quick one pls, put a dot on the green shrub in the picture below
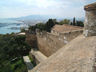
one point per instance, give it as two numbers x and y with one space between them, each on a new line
11 47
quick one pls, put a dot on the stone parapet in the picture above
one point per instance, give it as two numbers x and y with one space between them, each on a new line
39 57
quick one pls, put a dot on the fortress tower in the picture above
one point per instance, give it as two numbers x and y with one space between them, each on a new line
90 20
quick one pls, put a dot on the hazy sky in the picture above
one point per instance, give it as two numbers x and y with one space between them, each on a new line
61 8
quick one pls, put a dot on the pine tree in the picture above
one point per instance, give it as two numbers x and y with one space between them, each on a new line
49 25
74 21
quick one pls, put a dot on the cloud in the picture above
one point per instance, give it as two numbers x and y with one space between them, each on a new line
62 8
44 3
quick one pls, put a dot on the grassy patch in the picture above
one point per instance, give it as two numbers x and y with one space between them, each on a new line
18 66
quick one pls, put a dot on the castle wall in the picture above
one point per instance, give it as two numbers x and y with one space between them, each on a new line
49 43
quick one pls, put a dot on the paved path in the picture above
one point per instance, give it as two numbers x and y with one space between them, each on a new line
28 63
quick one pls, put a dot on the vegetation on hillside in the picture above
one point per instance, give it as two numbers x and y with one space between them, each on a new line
51 22
23 30
65 21
77 23
12 50
43 27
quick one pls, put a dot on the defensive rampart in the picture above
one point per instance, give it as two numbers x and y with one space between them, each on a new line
49 43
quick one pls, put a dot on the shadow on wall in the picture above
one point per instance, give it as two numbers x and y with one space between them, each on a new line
32 40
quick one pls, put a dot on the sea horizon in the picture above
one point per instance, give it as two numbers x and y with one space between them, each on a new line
10 26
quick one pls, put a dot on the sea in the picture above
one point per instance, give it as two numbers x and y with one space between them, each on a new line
10 26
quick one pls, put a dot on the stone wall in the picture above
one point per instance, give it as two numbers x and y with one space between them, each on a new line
31 39
49 43
90 20
77 56
37 56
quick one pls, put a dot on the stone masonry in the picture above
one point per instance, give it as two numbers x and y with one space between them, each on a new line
90 20
49 43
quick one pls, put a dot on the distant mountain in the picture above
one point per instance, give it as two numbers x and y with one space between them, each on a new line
33 19
42 18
